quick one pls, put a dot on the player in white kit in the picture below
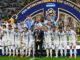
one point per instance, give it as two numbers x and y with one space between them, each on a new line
48 41
22 46
72 41
63 41
55 36
31 43
25 36
1 34
4 41
10 39
17 37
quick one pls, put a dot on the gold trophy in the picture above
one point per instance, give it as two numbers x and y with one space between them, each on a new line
36 36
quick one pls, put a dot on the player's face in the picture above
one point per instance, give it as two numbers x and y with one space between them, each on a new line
25 29
37 20
49 23
29 17
40 27
68 28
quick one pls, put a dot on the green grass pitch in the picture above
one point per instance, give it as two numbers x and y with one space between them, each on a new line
37 58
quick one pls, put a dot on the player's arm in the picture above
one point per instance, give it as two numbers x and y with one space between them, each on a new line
14 39
75 35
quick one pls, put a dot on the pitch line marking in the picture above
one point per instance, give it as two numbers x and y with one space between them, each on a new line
32 58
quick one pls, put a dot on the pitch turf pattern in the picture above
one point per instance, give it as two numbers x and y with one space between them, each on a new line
37 58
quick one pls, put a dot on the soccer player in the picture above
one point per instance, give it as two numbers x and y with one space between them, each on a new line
22 45
1 34
10 39
29 22
63 41
72 41
25 39
55 36
4 40
47 36
17 37
31 43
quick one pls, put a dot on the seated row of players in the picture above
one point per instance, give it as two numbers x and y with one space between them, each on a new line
12 40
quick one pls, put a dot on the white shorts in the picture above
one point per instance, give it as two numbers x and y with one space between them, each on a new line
17 44
31 44
48 45
22 46
11 44
72 43
26 43
56 43
4 41
63 44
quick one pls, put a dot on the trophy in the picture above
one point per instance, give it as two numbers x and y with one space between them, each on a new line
36 36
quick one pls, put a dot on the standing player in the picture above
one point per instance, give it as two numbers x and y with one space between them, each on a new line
10 39
31 43
22 45
55 36
25 39
72 41
1 34
63 41
47 36
17 36
4 40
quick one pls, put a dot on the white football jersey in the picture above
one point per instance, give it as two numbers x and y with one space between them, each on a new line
63 36
4 38
17 36
36 25
47 36
55 35
31 38
10 35
72 35
25 36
